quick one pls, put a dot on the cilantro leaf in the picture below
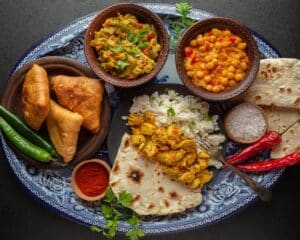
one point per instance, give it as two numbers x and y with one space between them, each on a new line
96 229
207 117
125 199
135 233
118 49
121 65
133 220
106 210
183 8
171 112
109 195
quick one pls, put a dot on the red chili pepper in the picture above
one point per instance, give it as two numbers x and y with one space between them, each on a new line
188 51
289 160
150 36
265 142
232 38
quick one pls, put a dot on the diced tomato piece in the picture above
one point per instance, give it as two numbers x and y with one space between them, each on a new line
188 51
150 36
207 45
193 60
145 51
232 38
139 26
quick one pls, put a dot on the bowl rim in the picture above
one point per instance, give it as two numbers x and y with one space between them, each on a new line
251 73
119 82
75 187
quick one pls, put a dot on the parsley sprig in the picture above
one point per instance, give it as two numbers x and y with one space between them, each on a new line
115 209
179 26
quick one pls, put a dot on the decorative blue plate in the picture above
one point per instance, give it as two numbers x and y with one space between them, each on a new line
225 195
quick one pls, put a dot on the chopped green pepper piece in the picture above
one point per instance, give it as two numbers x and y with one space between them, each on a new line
121 65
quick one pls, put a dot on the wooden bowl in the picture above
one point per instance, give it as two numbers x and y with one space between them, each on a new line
88 143
143 15
251 50
77 190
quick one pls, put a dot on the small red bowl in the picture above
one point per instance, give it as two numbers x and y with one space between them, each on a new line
77 190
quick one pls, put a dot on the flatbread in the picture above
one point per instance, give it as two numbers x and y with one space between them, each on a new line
278 120
154 193
277 84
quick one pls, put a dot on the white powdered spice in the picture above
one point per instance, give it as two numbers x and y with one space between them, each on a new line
245 123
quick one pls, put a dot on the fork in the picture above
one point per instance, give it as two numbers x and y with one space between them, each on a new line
263 193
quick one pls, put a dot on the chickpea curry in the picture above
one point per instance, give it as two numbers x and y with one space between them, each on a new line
126 48
216 60
177 155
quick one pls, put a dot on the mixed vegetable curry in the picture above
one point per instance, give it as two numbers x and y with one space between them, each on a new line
126 48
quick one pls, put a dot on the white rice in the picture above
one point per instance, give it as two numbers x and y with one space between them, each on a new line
187 112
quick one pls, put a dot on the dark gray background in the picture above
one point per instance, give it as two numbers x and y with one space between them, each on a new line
25 22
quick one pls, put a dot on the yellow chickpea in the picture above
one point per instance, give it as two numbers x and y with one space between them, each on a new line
200 74
222 88
239 76
231 69
200 40
234 62
241 46
209 88
230 75
237 40
223 81
202 49
194 43
226 43
226 33
216 89
231 83
208 58
212 38
202 84
190 73
216 31
218 45
244 66
210 65
207 78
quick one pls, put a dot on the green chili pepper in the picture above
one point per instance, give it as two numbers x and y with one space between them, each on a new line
23 129
25 146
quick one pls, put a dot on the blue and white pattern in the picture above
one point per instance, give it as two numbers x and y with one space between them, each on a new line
225 195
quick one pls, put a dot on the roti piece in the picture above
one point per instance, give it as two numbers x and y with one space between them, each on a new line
279 119
82 95
277 84
154 193
63 128
35 97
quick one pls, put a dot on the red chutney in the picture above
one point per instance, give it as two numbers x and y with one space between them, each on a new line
92 179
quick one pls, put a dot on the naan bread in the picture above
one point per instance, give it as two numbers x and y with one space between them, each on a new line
277 84
154 193
82 95
63 128
278 120
35 97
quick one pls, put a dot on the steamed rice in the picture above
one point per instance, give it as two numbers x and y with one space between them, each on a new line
187 112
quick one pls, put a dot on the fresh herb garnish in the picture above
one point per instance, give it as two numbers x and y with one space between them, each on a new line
143 45
121 65
118 49
133 38
135 52
192 124
180 25
171 112
113 211
207 118
152 98
143 32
